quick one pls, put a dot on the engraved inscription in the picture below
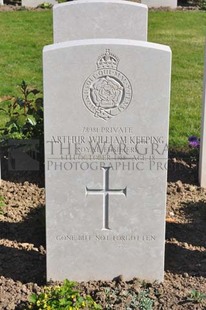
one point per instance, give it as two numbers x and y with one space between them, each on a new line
106 191
107 92
103 237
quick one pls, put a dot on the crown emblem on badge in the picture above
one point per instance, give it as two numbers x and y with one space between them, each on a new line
107 92
107 60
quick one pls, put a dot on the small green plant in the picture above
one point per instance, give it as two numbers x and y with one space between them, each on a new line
24 114
145 302
62 297
138 301
196 296
2 204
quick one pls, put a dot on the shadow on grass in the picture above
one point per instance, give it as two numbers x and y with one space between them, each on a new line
31 230
26 264
183 166
181 260
193 232
22 265
35 177
185 250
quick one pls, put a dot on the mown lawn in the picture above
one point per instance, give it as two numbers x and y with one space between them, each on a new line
24 33
185 33
22 37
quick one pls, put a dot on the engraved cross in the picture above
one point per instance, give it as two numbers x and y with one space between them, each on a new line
106 191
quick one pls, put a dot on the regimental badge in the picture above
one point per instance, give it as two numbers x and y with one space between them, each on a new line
107 92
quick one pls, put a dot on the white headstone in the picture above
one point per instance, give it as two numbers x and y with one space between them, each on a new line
160 3
1 2
106 132
35 3
92 19
202 160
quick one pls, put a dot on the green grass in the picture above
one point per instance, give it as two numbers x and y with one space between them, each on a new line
24 33
22 37
185 33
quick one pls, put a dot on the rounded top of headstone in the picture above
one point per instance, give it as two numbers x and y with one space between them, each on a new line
125 2
99 21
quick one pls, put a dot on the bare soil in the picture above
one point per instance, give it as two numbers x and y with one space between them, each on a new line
23 249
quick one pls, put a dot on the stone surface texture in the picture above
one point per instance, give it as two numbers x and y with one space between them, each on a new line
101 221
83 19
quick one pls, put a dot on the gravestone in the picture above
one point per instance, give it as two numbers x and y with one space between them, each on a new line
92 19
106 132
36 3
1 2
160 3
202 161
